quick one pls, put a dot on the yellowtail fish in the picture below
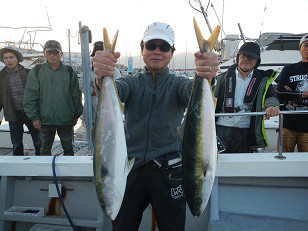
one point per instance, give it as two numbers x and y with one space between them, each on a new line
110 162
199 137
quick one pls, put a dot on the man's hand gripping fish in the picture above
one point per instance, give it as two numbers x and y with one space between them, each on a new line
199 137
110 163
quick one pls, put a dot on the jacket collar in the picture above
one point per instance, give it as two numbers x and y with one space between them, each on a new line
160 77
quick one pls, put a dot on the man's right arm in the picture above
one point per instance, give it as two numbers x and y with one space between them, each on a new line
284 92
32 96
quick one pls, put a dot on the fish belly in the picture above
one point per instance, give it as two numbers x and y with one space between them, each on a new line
110 153
199 147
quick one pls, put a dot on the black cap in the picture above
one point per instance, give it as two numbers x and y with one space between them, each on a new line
97 46
250 48
52 45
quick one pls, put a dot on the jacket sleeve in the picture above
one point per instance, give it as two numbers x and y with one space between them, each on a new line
216 88
32 96
76 96
271 99
184 87
283 93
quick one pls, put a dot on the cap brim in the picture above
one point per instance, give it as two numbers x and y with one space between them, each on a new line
50 49
148 38
254 55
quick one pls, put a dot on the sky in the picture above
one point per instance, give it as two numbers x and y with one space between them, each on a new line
132 17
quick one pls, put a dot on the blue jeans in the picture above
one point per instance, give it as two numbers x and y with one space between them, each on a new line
17 132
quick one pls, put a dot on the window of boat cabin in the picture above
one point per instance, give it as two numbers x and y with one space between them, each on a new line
278 41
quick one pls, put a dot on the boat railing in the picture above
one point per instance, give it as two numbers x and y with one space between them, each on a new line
280 124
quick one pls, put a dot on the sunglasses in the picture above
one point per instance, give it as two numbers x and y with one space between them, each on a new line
52 52
151 46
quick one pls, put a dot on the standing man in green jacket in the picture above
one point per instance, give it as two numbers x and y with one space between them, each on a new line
13 79
244 88
53 99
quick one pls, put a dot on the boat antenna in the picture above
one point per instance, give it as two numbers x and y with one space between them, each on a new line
242 33
222 16
204 13
262 22
218 18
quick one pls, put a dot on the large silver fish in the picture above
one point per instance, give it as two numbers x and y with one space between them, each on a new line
110 163
199 137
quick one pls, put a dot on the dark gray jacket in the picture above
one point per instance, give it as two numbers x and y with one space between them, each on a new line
154 108
6 100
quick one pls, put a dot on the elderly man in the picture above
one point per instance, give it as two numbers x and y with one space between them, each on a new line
244 88
293 91
53 99
13 78
155 101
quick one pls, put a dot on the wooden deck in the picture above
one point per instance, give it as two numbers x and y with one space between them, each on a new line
80 149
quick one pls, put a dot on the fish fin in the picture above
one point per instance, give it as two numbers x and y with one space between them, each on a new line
201 41
114 42
107 45
206 45
106 40
129 164
213 38
181 129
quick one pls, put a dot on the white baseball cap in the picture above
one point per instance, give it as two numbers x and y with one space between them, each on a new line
303 39
159 30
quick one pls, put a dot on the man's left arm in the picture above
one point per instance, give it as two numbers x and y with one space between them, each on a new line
271 103
76 97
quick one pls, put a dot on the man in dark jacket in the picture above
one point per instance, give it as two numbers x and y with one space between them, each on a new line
293 91
155 102
244 88
53 99
13 79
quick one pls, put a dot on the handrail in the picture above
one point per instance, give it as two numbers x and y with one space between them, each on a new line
280 124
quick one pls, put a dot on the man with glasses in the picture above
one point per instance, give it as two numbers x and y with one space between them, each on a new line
53 100
244 88
293 91
155 101
13 78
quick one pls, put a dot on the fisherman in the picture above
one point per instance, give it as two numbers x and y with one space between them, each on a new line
155 101
293 92
53 99
13 78
244 88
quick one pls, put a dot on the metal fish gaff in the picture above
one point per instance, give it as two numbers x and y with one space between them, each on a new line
110 161
199 137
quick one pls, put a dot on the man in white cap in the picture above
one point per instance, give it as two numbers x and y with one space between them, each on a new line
155 101
13 78
293 91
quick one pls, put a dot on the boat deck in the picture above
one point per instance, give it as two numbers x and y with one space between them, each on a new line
80 149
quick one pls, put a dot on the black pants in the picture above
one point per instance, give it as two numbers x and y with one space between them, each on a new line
234 139
65 132
163 189
17 132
